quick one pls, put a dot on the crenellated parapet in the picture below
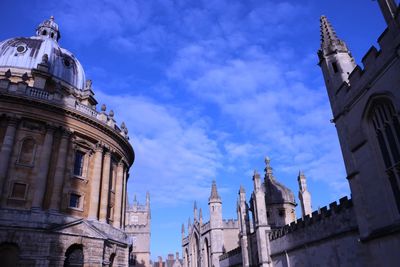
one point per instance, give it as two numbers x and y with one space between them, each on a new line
329 219
230 224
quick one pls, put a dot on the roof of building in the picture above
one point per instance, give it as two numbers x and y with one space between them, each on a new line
25 53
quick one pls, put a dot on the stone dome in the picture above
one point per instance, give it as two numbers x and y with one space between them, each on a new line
275 192
23 54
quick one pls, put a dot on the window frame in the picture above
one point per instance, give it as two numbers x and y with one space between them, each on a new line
10 195
80 203
33 155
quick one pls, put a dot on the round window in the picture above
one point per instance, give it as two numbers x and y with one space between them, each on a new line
67 62
21 48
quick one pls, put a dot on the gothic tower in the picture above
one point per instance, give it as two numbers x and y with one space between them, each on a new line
365 111
216 226
304 195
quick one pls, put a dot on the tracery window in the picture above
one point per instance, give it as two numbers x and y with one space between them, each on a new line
387 129
27 152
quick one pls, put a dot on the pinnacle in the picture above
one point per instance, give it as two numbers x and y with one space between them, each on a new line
214 192
330 42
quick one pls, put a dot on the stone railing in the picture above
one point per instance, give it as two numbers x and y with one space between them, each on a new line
85 109
37 93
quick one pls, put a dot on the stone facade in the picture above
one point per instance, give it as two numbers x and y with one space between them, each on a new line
364 230
63 164
207 241
138 228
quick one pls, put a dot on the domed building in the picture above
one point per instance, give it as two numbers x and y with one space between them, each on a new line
63 164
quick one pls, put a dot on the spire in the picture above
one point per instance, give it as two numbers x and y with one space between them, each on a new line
201 216
304 195
268 169
147 199
195 210
388 8
183 229
134 200
330 43
301 178
214 193
257 181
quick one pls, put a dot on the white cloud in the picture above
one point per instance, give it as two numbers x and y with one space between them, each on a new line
175 157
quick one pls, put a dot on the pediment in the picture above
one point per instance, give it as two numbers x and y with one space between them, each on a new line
79 228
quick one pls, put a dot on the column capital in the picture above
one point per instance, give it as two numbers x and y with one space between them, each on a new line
65 132
98 148
50 127
13 120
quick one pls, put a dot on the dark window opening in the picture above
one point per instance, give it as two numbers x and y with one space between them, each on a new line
9 254
44 32
74 256
74 200
78 165
335 67
52 35
18 191
281 213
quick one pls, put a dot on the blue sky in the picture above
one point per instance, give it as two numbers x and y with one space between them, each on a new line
208 89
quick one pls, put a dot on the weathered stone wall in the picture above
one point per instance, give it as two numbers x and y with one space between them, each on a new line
328 238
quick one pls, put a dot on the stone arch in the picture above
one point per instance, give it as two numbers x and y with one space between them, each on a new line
74 256
27 151
9 254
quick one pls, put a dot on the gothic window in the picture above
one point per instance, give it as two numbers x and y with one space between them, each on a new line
27 152
74 256
9 254
387 130
78 163
18 191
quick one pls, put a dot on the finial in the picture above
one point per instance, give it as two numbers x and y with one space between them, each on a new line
88 84
123 126
242 190
267 161
111 113
195 205
201 214
183 228
103 107
51 17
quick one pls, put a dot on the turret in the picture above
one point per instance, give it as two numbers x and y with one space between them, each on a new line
216 227
335 59
261 223
304 195
243 219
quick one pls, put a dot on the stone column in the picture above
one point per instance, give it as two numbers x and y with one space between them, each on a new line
56 191
105 187
124 198
95 183
41 178
118 195
6 150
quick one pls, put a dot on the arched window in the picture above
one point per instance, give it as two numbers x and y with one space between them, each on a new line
44 32
74 256
387 130
9 254
27 152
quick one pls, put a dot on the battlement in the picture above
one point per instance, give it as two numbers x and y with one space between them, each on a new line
364 77
230 223
319 217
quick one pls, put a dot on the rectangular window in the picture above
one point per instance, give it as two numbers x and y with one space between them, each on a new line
18 191
334 66
78 165
74 200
